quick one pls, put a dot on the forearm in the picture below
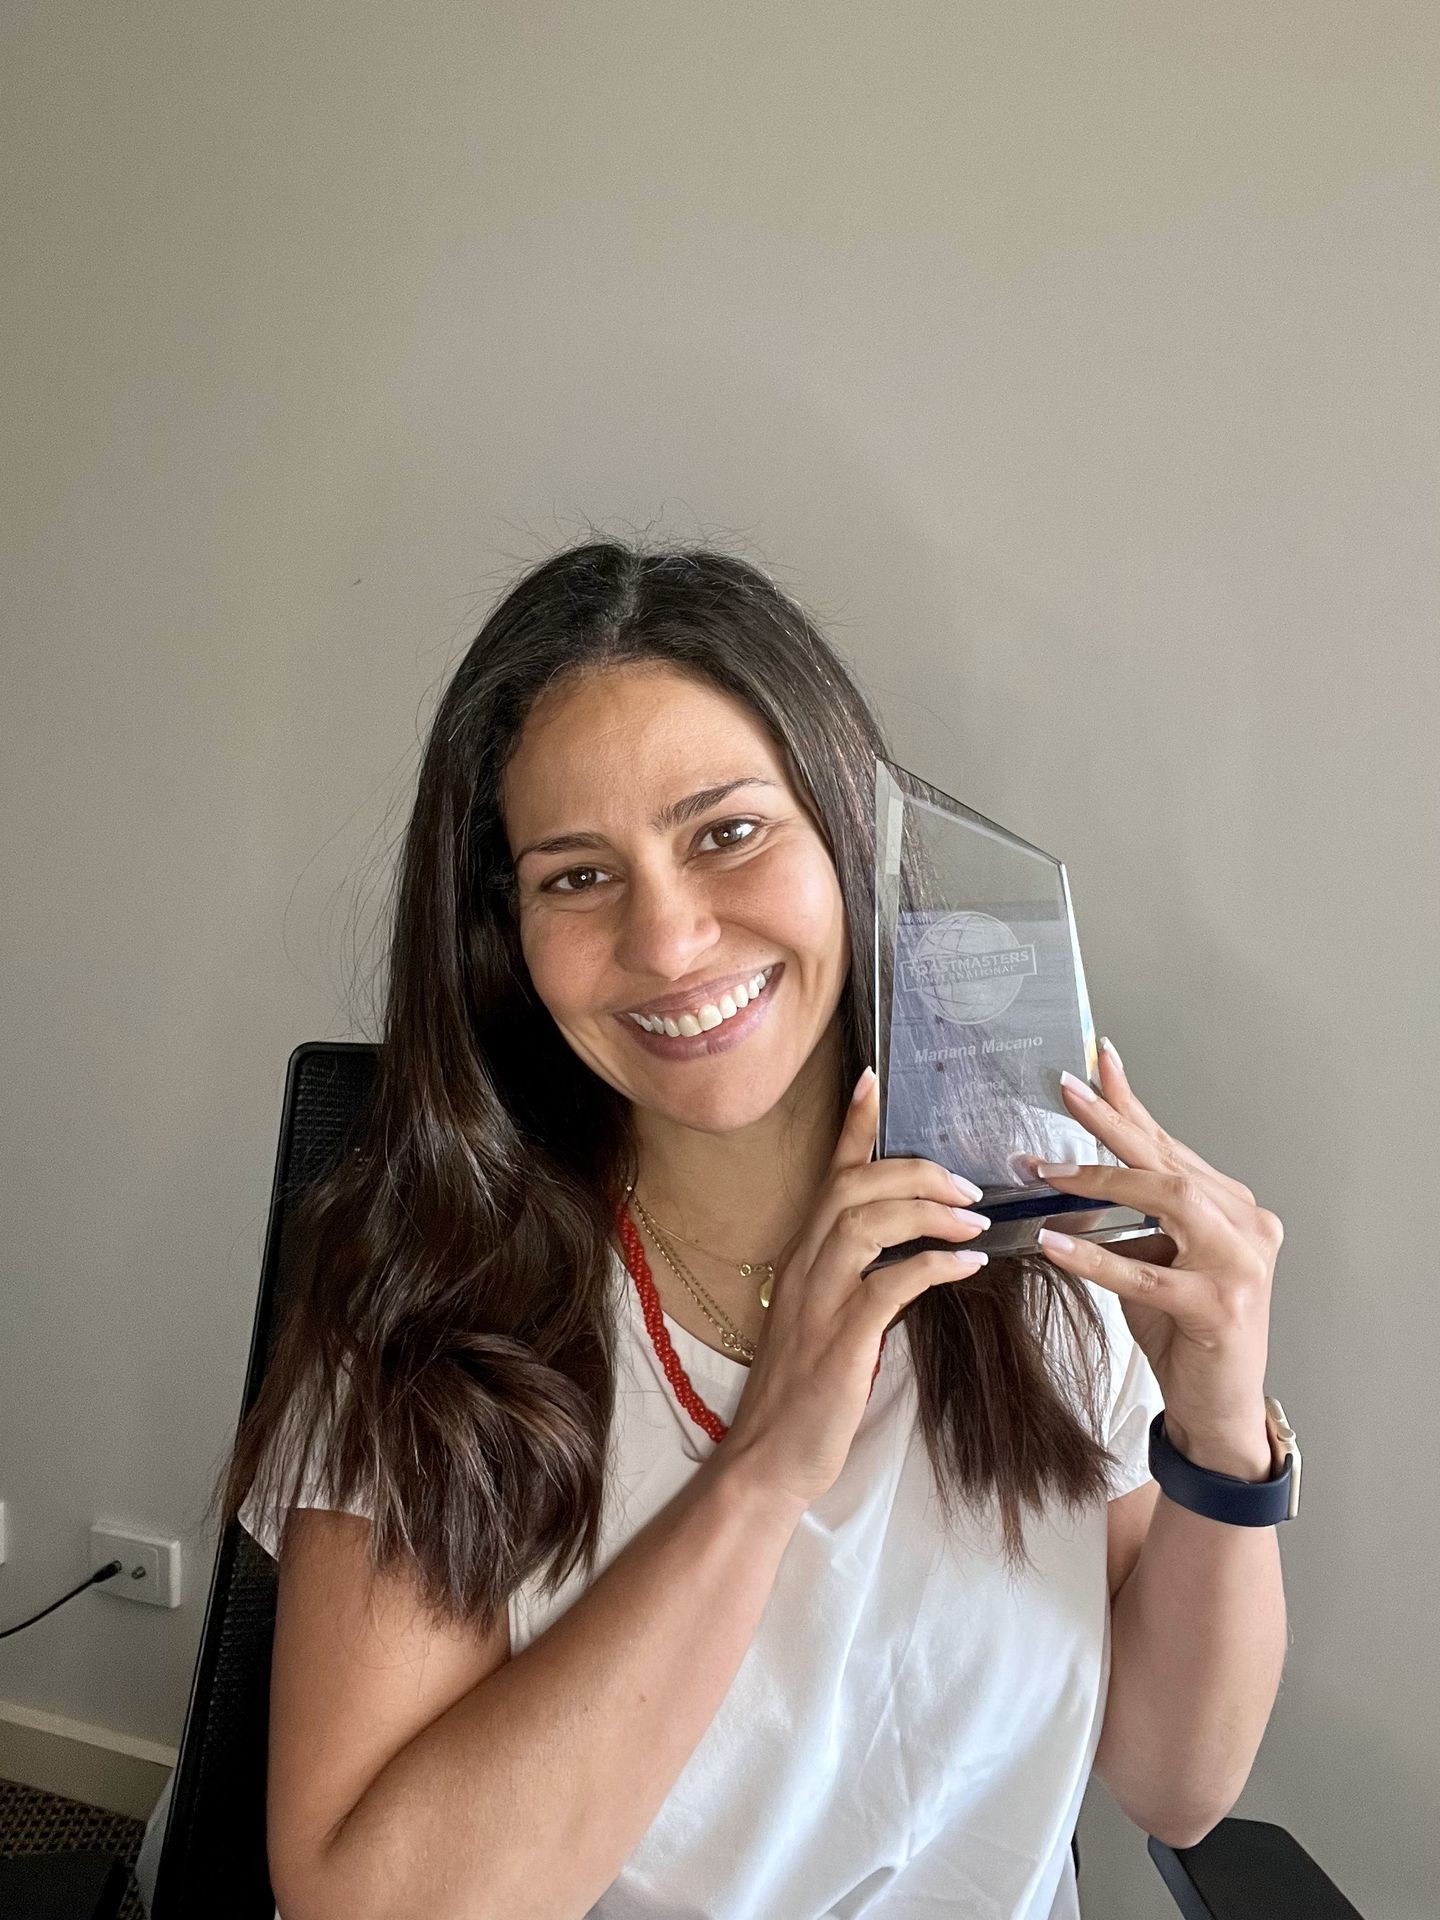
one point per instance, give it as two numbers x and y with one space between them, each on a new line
525 1799
1198 1637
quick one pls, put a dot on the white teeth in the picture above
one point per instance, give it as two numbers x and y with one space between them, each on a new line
704 1019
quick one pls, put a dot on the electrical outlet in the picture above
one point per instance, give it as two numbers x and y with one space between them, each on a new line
149 1566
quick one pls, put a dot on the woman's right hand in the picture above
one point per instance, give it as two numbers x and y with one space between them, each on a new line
815 1359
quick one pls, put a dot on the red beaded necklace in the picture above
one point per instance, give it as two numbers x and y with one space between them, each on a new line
638 1268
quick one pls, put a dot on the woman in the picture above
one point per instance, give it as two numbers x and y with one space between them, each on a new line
605 1585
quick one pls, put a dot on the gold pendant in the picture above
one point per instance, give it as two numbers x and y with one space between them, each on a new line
748 1267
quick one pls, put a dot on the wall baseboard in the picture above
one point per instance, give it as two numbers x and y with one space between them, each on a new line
116 1771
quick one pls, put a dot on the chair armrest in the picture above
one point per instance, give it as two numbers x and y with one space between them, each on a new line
1248 1870
62 1886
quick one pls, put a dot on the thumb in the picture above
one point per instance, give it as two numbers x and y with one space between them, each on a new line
857 1135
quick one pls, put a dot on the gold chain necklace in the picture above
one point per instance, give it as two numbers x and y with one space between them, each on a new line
744 1267
731 1337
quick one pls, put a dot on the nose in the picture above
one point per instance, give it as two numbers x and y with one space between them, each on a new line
667 926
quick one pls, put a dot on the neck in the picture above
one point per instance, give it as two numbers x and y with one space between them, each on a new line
745 1194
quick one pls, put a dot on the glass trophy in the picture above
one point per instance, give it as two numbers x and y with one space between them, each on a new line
980 1003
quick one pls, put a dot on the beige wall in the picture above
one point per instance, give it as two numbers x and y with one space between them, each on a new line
1078 362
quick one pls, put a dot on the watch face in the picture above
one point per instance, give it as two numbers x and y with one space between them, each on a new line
1285 1448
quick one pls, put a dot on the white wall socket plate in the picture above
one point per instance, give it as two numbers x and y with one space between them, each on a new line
149 1566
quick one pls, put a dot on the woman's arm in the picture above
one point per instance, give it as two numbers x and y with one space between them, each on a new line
1198 1641
523 1799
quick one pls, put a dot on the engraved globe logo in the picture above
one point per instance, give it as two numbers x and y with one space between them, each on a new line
968 968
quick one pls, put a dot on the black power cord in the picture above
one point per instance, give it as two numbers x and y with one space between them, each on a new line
107 1572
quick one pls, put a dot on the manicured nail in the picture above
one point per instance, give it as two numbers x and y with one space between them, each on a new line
1112 1053
966 1187
1062 1169
1061 1242
862 1086
1079 1086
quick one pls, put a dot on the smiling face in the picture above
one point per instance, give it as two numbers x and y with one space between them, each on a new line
644 912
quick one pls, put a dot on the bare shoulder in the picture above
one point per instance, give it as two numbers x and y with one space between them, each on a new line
358 1670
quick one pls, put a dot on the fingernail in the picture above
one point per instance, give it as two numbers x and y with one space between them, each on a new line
862 1086
1061 1242
1079 1086
975 1219
967 1187
1112 1053
1062 1169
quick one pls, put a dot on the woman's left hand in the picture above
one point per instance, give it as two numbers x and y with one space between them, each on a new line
1197 1301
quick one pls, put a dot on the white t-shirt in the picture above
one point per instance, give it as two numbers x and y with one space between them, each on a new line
908 1734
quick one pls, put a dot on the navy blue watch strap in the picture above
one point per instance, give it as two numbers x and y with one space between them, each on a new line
1219 1496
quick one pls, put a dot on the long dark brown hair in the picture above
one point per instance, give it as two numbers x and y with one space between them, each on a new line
446 1357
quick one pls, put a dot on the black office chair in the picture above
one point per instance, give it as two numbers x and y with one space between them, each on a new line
212 1860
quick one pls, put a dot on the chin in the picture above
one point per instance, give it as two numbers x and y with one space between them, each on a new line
720 1109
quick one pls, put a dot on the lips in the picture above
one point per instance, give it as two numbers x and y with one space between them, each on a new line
710 991
694 1046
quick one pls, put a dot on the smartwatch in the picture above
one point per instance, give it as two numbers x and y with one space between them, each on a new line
1223 1496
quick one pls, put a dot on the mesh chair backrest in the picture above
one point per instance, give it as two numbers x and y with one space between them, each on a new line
213 1857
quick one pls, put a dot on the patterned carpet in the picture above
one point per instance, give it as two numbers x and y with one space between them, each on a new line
35 1822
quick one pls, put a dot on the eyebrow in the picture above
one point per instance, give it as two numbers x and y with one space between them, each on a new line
675 815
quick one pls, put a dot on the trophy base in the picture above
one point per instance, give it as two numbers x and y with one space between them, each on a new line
1017 1226
1016 1231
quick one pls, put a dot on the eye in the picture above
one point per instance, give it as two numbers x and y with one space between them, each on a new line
720 826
